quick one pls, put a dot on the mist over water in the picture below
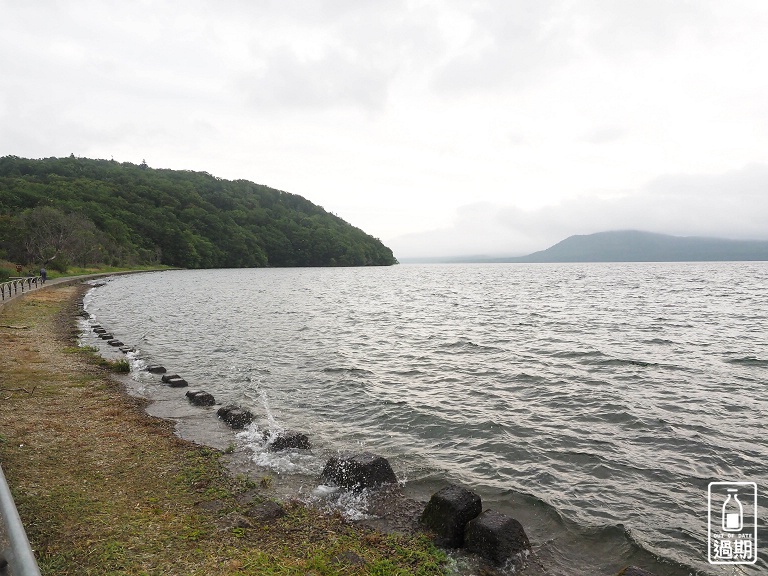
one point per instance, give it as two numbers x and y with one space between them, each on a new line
593 402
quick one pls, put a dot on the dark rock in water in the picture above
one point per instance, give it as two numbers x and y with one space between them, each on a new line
99 330
106 336
200 398
266 511
495 536
358 471
448 512
235 416
126 349
224 410
286 440
177 382
634 571
167 377
155 369
115 343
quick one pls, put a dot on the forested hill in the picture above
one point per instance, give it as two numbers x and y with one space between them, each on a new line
111 212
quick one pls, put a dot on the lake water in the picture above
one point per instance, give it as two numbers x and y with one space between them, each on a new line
593 402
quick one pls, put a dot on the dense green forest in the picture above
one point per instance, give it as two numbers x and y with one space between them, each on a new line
79 211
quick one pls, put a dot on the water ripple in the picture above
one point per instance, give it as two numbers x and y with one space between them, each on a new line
595 401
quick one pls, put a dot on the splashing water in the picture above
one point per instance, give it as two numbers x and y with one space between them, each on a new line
274 427
587 400
350 504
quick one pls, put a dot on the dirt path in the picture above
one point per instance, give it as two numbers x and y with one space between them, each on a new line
103 488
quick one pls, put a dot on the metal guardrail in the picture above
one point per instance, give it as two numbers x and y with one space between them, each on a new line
14 285
18 556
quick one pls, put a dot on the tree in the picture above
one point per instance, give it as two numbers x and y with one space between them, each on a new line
183 218
49 234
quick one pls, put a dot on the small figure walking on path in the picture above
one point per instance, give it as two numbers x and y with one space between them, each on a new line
43 274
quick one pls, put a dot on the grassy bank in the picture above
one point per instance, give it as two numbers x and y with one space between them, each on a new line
8 269
102 488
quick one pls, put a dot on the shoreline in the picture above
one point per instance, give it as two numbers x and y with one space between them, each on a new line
99 482
70 280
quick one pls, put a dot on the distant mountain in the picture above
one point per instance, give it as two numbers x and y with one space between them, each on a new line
637 246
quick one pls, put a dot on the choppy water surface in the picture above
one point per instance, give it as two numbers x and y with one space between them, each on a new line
594 402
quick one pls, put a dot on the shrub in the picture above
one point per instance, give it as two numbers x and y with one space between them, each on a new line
59 264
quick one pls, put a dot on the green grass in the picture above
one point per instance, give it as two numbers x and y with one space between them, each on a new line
91 353
83 271
102 488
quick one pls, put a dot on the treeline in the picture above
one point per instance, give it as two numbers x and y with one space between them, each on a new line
79 211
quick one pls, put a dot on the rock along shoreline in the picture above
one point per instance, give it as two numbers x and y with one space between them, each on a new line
103 487
453 518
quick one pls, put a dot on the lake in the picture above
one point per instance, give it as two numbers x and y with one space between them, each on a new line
593 402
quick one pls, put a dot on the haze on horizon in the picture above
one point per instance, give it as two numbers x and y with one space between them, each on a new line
444 128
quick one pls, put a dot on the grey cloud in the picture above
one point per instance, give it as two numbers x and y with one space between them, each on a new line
618 28
313 13
360 52
731 205
606 135
514 43
330 81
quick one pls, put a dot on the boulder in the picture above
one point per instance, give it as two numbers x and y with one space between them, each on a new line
200 398
634 571
358 471
447 514
234 520
126 349
349 558
106 336
168 377
115 343
155 369
235 416
495 536
99 330
286 440
177 382
214 506
266 511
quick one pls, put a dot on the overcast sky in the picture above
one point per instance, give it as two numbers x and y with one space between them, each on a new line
441 127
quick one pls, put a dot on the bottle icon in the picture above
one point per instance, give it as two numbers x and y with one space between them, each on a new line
733 512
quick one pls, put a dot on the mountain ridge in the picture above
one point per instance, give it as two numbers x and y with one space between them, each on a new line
640 246
634 246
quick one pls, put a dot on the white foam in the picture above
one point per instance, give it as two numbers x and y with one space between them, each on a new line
286 461
330 499
324 490
273 426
